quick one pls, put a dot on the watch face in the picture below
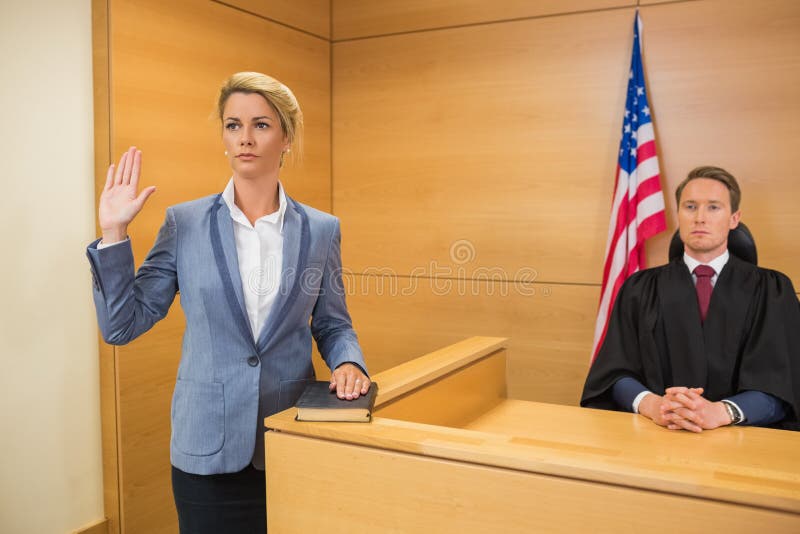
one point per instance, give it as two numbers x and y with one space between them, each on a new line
739 415
729 409
733 412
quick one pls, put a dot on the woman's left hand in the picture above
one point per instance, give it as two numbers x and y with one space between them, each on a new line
349 382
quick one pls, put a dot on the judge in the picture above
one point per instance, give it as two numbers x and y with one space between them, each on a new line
707 340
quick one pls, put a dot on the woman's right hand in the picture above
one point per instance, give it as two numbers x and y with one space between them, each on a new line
119 201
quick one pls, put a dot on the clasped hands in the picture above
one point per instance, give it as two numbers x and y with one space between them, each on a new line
683 408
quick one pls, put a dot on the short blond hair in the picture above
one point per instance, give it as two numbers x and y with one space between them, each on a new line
277 95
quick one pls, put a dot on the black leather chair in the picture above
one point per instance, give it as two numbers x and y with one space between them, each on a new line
740 243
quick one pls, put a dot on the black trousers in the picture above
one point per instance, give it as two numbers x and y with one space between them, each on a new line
219 504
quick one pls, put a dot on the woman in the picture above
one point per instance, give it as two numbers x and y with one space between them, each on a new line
252 266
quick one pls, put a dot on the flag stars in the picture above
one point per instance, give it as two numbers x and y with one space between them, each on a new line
636 114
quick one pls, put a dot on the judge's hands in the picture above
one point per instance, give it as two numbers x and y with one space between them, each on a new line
656 408
684 408
120 201
349 382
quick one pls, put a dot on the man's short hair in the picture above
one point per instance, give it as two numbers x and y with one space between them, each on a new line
714 173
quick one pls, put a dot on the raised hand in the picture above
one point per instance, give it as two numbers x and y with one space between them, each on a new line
120 200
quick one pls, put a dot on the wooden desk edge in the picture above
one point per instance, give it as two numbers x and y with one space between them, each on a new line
405 377
498 450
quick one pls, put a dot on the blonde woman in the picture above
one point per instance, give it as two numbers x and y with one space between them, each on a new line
252 266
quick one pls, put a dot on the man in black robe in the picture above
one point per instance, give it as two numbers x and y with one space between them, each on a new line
687 361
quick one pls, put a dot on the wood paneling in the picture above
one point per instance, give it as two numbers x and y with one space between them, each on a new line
146 370
493 147
458 497
98 527
313 16
723 78
478 387
549 331
402 379
503 136
743 475
746 466
107 364
166 63
649 2
361 18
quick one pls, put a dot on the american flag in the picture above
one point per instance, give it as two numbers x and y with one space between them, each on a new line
637 211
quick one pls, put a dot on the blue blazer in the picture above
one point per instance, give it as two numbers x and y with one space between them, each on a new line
228 380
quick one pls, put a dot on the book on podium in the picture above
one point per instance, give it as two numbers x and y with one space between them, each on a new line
318 403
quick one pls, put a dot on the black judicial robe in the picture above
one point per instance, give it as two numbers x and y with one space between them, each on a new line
750 339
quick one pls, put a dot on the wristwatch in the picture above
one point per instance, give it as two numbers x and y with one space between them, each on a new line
733 411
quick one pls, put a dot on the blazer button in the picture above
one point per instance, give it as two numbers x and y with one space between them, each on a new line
253 361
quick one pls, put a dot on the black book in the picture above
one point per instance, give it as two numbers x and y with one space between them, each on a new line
318 403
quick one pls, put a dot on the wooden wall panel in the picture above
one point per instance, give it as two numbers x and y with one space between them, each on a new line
313 16
146 370
724 77
649 2
107 365
549 327
501 135
362 18
493 147
412 493
166 63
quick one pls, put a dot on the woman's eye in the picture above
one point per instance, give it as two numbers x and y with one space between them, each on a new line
262 125
231 126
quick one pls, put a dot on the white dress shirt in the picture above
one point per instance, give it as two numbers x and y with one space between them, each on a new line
717 264
259 248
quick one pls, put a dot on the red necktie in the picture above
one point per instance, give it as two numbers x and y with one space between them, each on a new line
703 287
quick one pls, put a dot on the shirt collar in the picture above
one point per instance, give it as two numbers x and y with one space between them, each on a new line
717 263
238 215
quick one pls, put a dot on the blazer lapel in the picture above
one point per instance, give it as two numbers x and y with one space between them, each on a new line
296 240
223 244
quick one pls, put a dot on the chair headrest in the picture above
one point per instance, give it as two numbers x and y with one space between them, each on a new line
740 243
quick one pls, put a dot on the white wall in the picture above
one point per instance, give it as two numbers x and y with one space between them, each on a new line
50 457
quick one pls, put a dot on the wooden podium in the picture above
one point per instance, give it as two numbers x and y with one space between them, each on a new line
447 451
